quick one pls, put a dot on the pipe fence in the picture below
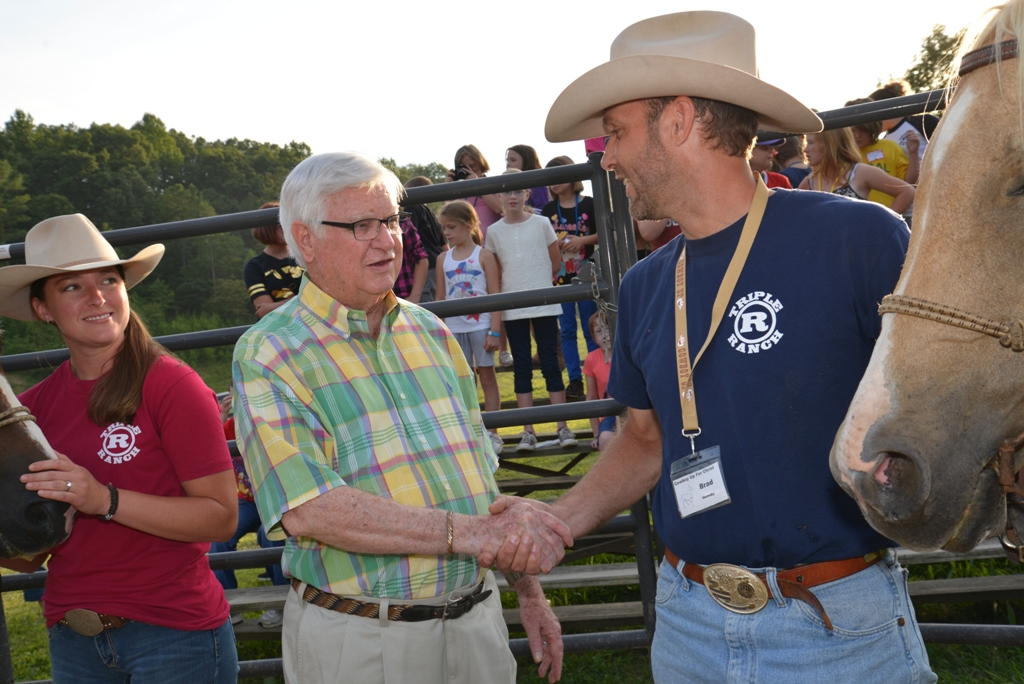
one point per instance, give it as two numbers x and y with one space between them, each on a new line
615 255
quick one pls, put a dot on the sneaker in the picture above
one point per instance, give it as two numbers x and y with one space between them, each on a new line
236 618
566 437
574 390
496 442
505 359
528 441
271 619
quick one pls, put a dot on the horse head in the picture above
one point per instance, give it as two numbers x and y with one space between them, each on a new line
29 524
940 395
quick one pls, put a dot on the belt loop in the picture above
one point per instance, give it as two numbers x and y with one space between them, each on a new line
773 584
383 616
301 590
685 582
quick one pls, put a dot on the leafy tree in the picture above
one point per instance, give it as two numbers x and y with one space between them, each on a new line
434 171
931 66
13 199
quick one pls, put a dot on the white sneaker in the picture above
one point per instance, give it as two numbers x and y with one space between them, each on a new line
271 619
566 437
505 359
496 442
528 441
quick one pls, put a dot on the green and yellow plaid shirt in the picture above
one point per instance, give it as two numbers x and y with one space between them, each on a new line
320 404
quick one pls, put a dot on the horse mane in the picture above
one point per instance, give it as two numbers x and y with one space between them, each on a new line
1006 24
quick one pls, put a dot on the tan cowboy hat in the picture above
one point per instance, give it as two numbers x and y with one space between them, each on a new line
700 54
65 244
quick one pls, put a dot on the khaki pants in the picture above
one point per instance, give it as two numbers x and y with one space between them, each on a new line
322 646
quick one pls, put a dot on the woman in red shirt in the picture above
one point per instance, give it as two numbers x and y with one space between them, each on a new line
142 458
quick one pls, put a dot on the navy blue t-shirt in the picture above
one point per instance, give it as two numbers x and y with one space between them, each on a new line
775 382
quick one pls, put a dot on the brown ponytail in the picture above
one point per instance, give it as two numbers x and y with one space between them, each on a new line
116 397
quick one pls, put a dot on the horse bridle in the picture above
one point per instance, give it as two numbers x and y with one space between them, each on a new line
18 414
1010 333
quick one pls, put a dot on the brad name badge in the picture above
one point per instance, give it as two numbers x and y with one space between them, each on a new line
699 483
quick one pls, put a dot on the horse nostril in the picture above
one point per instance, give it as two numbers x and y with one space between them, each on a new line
899 483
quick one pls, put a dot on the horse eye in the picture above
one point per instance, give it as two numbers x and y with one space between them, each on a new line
1017 191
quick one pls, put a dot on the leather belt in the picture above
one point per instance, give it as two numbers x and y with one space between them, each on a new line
793 583
90 623
451 610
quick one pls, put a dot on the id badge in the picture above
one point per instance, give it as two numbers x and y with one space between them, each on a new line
699 482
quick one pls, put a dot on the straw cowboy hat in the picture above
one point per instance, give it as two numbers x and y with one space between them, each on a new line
700 54
66 244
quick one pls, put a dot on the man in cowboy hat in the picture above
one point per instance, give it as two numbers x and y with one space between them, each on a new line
737 357
359 423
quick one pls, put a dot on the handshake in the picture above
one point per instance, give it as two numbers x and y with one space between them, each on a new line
520 535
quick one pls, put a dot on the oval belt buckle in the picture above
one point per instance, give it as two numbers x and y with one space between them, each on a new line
85 622
735 588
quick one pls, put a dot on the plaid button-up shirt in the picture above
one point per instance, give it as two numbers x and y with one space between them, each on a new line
412 252
320 404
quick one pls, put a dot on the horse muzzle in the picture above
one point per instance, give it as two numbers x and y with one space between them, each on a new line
40 526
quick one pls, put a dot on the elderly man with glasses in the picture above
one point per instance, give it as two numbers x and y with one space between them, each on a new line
358 419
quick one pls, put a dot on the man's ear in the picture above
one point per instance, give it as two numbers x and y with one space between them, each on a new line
679 121
306 240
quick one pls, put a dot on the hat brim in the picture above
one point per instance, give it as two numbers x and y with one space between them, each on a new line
577 113
15 281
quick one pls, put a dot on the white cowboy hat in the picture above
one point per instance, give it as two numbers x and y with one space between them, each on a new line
700 54
65 244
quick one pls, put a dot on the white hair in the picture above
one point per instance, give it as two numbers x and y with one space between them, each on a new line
307 187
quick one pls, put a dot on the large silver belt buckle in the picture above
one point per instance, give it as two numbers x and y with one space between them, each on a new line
735 588
85 622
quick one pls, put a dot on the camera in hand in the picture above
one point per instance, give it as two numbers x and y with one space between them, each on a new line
461 173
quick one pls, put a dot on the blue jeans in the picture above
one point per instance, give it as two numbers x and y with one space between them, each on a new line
875 637
545 332
570 348
144 654
248 521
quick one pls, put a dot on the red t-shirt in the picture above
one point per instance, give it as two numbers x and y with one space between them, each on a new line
107 567
595 367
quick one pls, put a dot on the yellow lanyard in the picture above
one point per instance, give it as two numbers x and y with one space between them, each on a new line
687 400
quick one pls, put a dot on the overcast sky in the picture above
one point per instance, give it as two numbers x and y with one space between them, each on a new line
412 81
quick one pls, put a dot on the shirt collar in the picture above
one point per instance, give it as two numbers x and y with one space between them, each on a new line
335 314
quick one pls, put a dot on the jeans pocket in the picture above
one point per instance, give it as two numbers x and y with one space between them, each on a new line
669 580
860 605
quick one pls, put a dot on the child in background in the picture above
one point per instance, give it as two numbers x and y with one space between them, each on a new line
272 277
412 276
597 367
527 251
572 216
524 158
468 270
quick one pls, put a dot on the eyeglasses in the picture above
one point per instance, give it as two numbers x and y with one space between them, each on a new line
513 193
368 229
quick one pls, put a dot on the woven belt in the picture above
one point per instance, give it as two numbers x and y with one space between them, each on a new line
451 610
742 597
89 622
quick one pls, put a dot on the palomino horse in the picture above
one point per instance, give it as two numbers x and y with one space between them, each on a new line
29 524
918 449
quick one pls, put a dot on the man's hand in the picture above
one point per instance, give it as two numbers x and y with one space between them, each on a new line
535 537
542 628
524 553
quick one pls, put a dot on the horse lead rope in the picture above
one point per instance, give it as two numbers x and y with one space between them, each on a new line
11 416
1010 335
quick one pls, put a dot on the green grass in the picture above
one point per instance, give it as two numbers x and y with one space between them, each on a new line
957 664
